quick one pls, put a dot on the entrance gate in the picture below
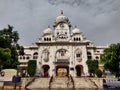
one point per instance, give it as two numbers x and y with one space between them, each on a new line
62 70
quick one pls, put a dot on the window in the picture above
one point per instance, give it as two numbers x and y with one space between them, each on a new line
74 39
35 55
49 39
97 57
78 55
20 57
44 39
23 57
27 57
89 55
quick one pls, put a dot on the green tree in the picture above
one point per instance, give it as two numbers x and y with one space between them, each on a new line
5 55
111 59
9 39
92 66
31 69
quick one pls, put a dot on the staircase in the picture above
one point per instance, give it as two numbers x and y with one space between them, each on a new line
39 83
84 83
61 82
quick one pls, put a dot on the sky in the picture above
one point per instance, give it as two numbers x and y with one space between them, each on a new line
99 20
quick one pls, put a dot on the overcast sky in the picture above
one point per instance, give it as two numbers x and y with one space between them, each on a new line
99 20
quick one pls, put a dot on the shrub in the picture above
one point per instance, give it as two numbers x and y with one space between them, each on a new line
98 72
31 69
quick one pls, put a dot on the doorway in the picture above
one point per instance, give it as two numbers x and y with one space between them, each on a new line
79 70
45 70
62 71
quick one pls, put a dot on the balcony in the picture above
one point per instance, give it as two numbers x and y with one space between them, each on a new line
62 62
63 58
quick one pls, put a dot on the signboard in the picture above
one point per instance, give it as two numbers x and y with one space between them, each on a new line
72 68
8 74
62 62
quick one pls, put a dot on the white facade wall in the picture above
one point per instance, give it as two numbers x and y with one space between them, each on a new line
63 49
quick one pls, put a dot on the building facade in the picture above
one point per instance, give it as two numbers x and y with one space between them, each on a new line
61 51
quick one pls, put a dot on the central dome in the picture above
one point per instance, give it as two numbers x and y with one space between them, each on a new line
61 18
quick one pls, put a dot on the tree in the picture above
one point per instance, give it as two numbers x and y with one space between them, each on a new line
9 39
31 69
5 55
92 66
111 59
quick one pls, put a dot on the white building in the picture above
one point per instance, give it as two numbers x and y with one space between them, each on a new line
62 51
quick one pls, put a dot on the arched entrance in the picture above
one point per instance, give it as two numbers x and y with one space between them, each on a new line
45 70
79 70
62 70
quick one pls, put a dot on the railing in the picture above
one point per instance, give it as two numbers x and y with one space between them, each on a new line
72 81
30 81
51 79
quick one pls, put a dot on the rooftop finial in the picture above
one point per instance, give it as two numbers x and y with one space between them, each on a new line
61 11
75 26
48 26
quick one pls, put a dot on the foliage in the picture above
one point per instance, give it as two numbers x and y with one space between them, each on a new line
98 72
31 69
9 39
5 55
92 66
111 59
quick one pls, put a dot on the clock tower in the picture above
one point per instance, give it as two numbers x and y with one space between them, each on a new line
62 28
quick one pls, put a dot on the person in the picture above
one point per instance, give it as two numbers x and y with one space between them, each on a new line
16 80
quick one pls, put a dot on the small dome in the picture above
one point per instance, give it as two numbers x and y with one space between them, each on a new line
75 30
61 18
47 31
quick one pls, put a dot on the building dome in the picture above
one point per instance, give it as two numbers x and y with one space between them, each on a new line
47 31
61 18
75 30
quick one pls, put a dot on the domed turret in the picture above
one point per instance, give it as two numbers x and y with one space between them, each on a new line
75 30
61 19
47 31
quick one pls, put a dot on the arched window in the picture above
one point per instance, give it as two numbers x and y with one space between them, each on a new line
44 39
23 57
74 39
79 39
62 54
78 55
49 39
89 56
27 57
20 57
97 57
35 55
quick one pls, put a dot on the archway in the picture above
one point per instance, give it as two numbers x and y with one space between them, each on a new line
79 70
45 70
62 70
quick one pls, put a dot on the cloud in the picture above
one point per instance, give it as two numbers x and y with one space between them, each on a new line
97 19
